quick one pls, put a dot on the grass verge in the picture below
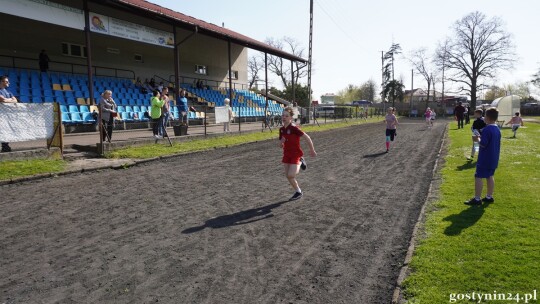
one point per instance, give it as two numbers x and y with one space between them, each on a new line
491 249
201 144
10 169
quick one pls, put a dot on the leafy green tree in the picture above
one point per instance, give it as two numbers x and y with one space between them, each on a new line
394 90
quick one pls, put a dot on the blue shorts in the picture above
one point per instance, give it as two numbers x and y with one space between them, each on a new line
484 173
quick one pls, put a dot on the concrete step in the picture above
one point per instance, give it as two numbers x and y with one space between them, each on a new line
71 156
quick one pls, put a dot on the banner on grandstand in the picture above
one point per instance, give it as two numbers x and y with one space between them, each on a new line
45 11
222 115
128 30
26 121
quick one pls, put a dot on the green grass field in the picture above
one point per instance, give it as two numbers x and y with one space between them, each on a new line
201 144
20 168
487 249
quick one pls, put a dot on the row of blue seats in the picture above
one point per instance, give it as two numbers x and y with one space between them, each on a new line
72 118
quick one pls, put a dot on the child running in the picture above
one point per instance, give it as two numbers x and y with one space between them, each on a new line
476 129
488 159
391 124
516 122
289 140
427 115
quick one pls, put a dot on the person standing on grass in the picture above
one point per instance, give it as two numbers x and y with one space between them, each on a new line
289 140
477 126
488 159
165 111
227 125
155 112
108 109
516 122
391 125
459 113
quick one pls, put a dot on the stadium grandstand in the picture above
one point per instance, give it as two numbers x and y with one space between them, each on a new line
98 45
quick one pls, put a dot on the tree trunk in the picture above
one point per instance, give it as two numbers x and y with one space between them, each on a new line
473 93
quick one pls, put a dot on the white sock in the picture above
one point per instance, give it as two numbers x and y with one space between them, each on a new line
489 196
477 198
298 190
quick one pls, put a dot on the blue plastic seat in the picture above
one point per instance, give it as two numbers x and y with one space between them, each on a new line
76 118
24 98
73 109
136 109
64 109
127 116
88 118
84 109
120 109
66 119
37 99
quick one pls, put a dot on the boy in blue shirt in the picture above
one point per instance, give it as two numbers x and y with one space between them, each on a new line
488 158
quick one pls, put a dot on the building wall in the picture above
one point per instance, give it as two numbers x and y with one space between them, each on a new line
26 38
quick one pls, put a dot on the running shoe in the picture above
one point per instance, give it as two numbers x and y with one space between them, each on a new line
296 196
488 200
303 164
473 202
387 150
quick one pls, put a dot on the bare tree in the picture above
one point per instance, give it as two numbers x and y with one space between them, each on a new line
420 61
479 48
282 67
255 65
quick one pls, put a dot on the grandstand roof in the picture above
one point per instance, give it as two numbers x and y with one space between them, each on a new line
191 23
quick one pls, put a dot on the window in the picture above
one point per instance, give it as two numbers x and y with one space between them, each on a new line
201 69
138 57
234 75
74 50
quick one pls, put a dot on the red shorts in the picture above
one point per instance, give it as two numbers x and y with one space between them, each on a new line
291 159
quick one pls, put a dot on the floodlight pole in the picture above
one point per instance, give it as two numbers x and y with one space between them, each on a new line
90 76
310 49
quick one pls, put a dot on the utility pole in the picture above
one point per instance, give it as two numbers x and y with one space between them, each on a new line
443 101
382 80
310 49
412 89
393 84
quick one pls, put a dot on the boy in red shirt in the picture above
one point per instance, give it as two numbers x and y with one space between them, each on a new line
289 140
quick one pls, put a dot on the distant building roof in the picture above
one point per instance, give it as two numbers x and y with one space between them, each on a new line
203 27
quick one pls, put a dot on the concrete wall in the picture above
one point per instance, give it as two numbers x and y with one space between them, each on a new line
25 38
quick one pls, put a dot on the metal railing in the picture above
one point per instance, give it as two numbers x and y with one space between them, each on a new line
207 83
64 67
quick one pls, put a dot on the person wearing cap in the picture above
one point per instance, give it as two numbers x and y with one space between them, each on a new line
226 125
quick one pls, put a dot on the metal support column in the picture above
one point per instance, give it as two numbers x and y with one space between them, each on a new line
89 71
230 86
266 90
310 49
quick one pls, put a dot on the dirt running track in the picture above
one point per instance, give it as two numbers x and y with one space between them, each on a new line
214 227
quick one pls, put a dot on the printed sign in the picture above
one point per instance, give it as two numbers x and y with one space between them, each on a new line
128 30
26 121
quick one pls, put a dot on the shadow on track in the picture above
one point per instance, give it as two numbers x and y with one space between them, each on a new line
238 218
464 219
374 155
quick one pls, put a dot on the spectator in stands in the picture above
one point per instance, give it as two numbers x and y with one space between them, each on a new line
226 125
107 107
139 85
182 105
160 86
7 97
155 113
152 83
165 111
43 61
200 84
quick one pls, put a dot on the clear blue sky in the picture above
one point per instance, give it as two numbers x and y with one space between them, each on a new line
349 35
